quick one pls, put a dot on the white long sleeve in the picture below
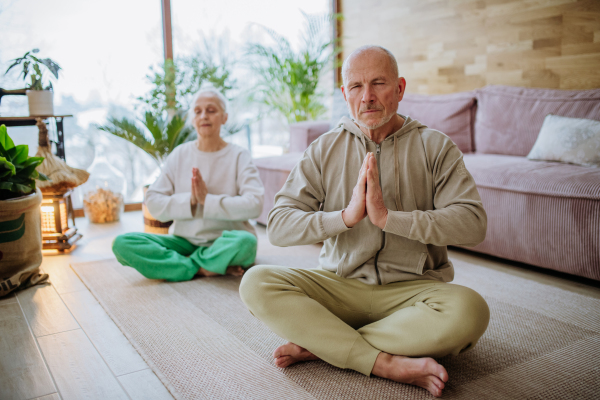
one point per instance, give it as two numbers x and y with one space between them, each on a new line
235 192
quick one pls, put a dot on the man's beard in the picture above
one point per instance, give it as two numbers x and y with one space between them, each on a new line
375 125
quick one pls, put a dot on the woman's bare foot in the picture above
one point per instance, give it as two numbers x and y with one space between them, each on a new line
422 372
234 270
291 353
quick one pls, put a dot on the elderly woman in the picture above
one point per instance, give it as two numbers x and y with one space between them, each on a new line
209 188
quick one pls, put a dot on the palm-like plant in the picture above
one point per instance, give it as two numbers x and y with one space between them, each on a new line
288 80
158 135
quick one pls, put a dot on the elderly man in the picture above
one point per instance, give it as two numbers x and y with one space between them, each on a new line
386 195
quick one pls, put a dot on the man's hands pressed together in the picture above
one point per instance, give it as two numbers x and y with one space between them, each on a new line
199 190
367 198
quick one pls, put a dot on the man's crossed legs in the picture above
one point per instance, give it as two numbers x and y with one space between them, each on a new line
389 331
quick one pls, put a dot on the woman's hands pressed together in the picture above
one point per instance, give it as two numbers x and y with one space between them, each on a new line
199 190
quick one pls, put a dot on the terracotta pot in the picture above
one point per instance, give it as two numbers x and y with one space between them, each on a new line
40 102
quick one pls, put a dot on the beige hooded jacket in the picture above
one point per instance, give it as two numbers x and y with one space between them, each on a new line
431 199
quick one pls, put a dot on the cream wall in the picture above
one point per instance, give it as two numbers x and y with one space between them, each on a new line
446 46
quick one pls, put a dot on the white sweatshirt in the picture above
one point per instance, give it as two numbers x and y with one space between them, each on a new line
235 192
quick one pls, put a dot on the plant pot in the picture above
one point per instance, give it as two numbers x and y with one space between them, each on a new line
152 225
20 243
40 102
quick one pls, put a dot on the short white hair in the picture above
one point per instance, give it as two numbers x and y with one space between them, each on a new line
361 49
207 90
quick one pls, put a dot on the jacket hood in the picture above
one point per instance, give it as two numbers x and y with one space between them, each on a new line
351 126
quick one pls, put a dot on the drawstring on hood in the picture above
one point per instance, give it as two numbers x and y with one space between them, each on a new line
409 124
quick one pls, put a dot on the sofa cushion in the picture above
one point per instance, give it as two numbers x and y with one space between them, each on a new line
518 174
452 114
510 118
569 140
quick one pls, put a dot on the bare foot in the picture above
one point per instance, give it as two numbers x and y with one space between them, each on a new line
234 270
291 353
422 372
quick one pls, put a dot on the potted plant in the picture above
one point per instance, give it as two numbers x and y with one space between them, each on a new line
288 79
39 96
20 216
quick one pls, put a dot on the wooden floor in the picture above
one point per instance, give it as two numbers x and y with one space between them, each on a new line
56 341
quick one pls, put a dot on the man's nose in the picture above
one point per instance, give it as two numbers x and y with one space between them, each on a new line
368 94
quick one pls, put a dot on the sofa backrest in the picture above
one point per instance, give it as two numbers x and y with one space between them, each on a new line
452 114
509 118
304 133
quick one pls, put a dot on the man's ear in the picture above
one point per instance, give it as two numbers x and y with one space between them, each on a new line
401 87
344 93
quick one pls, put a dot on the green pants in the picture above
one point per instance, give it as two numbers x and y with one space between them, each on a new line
175 259
348 323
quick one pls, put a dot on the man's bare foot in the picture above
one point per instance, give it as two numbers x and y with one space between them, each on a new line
291 353
422 372
234 270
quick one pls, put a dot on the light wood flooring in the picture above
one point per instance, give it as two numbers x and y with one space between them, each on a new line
57 342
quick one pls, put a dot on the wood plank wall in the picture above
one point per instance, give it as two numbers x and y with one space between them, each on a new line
447 46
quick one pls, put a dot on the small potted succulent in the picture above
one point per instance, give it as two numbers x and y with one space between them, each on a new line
38 95
20 216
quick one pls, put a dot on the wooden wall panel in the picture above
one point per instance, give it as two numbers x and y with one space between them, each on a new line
446 46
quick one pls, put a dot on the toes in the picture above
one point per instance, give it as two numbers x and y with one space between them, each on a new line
434 390
438 382
283 362
442 373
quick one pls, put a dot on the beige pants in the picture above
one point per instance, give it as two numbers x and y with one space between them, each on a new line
348 323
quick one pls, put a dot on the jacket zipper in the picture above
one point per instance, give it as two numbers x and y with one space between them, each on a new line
377 157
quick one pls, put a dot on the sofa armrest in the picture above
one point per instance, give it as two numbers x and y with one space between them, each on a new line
302 134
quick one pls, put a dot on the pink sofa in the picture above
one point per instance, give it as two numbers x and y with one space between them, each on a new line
546 214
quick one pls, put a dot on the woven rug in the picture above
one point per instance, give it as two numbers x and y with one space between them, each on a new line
200 340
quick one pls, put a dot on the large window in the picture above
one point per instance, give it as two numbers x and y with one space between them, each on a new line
105 50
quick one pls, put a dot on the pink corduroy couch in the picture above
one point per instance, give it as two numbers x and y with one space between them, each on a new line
545 214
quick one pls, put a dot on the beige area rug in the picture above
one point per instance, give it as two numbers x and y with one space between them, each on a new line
199 339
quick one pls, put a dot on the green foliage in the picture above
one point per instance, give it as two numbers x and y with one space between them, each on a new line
288 79
17 170
155 134
211 65
32 67
163 125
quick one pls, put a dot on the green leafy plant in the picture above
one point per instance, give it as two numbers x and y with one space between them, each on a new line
163 124
287 79
211 65
155 134
17 170
32 67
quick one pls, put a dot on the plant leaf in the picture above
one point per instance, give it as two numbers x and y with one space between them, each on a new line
22 188
5 141
22 154
6 165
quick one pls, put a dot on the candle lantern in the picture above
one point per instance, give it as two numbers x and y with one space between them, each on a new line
57 208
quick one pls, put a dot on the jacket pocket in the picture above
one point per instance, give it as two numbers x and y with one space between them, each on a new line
340 267
401 255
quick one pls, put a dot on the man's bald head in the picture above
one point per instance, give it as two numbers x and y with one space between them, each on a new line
366 51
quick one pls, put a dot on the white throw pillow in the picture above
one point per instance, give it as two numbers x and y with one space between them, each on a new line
569 140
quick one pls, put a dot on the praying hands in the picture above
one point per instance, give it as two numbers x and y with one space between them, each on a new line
199 190
367 198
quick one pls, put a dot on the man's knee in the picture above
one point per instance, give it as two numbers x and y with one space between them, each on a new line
471 316
255 286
